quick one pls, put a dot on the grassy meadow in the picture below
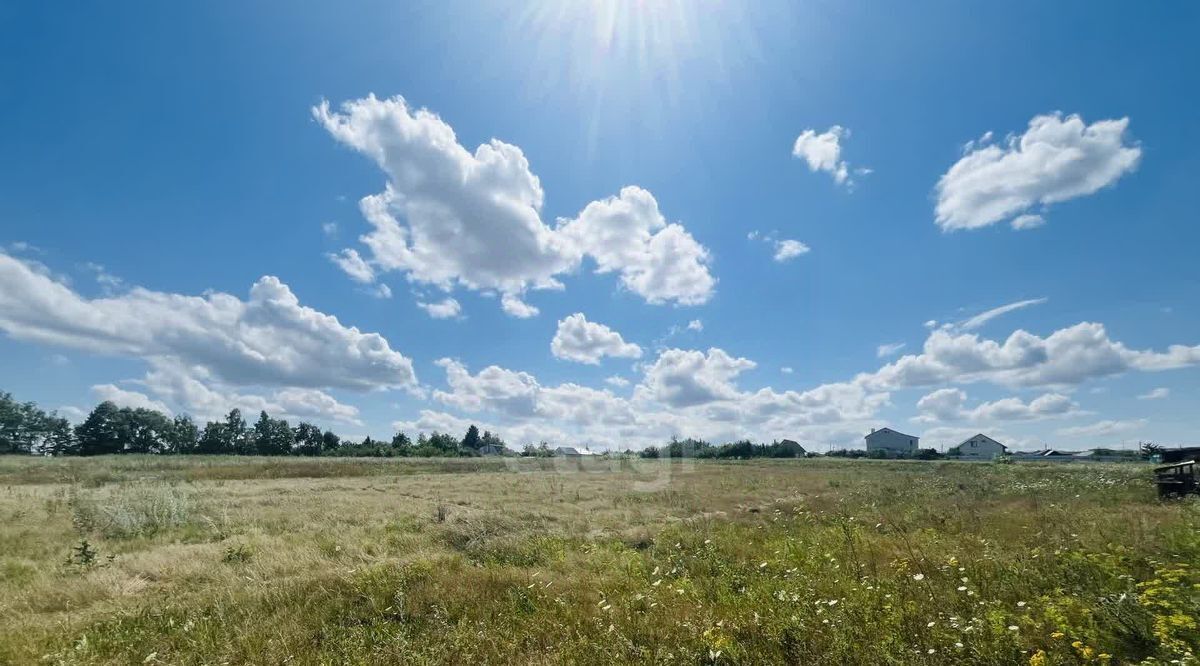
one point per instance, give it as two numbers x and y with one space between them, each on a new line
215 560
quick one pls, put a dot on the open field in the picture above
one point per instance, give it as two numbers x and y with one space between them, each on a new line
312 561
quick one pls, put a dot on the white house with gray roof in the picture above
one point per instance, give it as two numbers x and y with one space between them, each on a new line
979 447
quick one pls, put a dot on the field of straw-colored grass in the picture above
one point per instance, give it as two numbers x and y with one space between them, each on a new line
203 560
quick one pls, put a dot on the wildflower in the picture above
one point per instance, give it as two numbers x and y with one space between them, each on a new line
918 576
958 645
1020 604
762 565
931 624
930 651
1012 627
1057 634
962 588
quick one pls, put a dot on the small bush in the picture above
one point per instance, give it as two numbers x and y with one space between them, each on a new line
238 554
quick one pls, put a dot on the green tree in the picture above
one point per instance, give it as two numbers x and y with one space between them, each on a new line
238 436
102 431
330 442
272 437
184 436
402 445
22 425
214 440
471 439
307 440
60 438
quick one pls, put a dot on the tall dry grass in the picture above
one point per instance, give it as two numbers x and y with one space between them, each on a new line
812 561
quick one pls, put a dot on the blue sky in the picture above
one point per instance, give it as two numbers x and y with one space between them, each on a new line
646 163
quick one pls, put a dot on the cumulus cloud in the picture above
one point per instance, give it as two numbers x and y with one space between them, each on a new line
582 341
354 265
789 249
949 404
446 211
617 381
1103 428
269 339
684 378
516 307
783 249
1066 357
1055 160
686 393
197 392
628 235
447 308
823 152
125 398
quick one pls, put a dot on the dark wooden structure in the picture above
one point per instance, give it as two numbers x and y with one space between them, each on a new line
1177 480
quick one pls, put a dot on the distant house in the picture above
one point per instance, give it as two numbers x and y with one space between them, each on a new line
979 447
571 451
891 442
789 448
1056 455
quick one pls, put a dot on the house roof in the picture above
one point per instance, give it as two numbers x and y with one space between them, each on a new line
876 432
572 451
978 435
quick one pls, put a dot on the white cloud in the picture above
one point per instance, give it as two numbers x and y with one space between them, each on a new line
949 404
132 399
695 325
582 341
787 370
617 381
354 265
493 389
658 261
446 211
684 378
984 317
71 413
789 249
269 339
329 229
205 397
516 307
1055 160
1066 357
686 393
1156 394
1103 428
1023 222
823 152
888 349
447 308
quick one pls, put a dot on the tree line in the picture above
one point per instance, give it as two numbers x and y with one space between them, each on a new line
739 450
109 429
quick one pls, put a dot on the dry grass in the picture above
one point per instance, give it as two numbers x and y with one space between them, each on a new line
213 560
